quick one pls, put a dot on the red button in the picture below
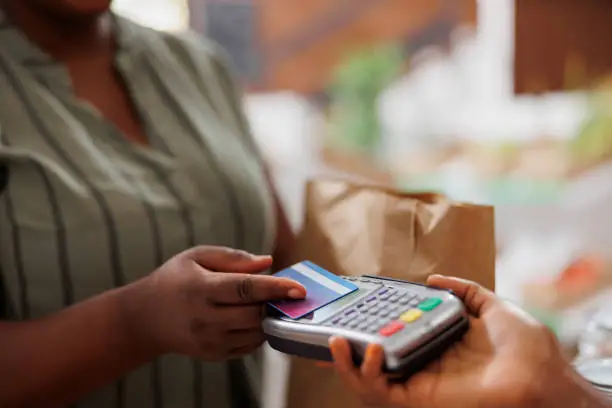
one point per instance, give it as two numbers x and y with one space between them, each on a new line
391 329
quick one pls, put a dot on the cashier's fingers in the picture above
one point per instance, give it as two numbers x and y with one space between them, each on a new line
372 363
374 382
370 367
343 362
367 381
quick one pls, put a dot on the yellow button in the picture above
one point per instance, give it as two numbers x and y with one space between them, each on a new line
411 315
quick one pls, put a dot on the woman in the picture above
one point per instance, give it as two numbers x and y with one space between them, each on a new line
506 360
123 146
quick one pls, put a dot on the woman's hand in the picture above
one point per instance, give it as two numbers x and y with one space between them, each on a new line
505 360
207 302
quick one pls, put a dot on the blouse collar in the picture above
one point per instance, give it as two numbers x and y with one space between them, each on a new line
15 44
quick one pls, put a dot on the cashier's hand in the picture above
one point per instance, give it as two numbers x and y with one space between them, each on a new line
503 361
207 302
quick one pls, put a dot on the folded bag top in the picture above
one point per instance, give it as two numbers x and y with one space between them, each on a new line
353 228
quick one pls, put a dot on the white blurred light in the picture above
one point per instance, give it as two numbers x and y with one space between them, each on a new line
165 15
286 126
469 93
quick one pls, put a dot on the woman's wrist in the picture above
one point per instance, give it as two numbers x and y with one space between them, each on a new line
134 317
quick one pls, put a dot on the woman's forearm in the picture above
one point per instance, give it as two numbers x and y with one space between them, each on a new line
56 360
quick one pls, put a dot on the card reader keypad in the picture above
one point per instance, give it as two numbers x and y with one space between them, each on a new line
386 311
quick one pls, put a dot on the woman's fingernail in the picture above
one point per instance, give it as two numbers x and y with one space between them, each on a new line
261 257
296 294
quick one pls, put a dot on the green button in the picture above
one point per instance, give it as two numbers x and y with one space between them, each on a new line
430 304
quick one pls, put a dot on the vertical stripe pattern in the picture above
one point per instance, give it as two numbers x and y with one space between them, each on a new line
100 200
87 210
22 288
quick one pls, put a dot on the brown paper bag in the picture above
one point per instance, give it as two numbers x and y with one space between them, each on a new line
359 229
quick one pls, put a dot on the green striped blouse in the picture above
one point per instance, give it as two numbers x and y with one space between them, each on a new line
85 209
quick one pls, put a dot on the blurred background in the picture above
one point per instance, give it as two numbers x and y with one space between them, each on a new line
502 102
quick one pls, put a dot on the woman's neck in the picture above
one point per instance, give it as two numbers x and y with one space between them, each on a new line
63 39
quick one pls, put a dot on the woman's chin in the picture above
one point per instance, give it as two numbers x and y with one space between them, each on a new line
75 8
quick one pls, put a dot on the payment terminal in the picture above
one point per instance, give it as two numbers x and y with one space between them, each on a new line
413 323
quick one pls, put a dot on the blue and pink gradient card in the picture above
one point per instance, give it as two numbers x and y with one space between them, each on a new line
322 288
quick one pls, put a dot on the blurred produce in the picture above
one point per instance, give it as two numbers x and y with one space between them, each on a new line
594 143
578 281
531 171
355 124
569 302
547 162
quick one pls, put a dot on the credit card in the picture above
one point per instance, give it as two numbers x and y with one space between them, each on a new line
322 288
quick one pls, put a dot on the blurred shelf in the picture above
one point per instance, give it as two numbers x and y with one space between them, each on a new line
576 194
